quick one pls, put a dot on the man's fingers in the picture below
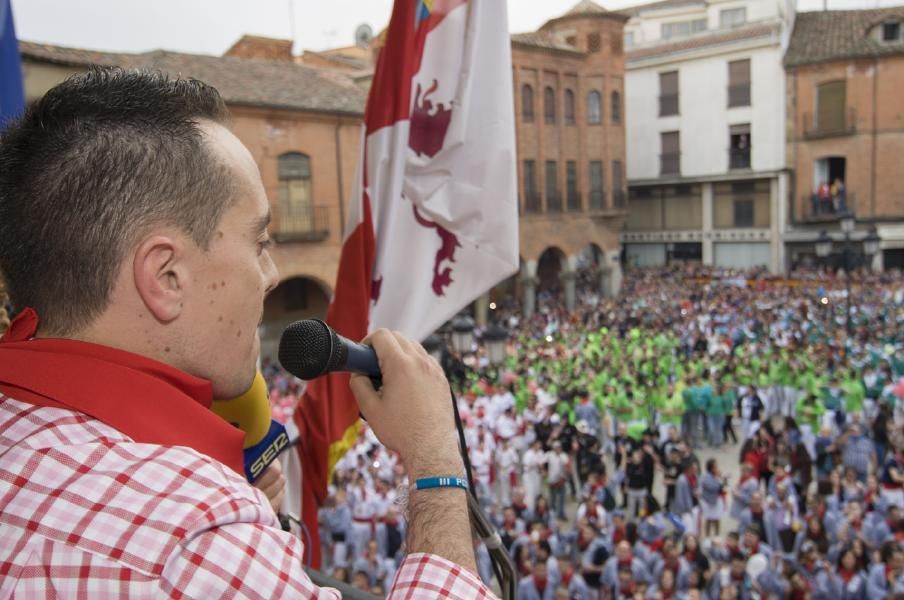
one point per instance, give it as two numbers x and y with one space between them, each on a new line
364 392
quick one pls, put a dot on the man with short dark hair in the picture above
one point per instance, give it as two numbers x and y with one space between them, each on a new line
133 233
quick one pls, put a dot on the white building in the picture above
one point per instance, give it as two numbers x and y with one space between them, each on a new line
705 115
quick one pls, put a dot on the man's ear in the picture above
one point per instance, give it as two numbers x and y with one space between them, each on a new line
160 275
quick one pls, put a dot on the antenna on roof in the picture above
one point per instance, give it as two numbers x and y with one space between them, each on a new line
363 35
292 23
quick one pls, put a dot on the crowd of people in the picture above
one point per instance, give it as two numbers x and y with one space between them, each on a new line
603 447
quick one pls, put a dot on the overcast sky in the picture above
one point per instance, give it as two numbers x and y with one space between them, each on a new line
211 26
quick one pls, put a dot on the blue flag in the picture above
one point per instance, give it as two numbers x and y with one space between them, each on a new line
12 94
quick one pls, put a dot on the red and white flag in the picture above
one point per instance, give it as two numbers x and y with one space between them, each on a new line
433 221
440 164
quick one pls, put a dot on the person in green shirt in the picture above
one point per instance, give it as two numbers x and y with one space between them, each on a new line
809 413
672 410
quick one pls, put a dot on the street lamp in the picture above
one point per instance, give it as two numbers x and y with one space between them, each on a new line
495 337
870 248
433 344
871 243
462 334
823 245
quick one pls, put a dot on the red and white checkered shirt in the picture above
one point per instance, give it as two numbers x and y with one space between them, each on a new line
86 512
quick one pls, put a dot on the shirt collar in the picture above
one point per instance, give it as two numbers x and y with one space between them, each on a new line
147 400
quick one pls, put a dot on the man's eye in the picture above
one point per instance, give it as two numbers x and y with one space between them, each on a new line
264 244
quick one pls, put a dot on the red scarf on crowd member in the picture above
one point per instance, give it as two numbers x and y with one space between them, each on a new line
567 574
618 535
846 574
540 584
691 479
626 563
148 401
691 556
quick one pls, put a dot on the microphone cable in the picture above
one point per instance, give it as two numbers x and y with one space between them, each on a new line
503 567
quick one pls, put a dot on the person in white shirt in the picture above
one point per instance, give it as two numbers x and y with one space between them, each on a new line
533 462
506 470
557 472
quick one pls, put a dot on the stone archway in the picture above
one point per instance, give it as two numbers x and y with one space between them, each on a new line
294 298
550 266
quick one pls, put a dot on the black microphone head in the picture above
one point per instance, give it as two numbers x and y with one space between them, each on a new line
310 348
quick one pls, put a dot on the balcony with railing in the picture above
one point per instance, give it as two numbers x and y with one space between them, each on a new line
822 208
670 163
739 158
303 224
533 204
574 202
668 105
838 125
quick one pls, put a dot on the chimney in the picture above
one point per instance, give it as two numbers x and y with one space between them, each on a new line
252 46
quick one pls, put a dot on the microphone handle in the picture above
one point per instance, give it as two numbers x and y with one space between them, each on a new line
362 359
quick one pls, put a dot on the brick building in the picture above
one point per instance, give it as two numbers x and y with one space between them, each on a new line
570 114
845 73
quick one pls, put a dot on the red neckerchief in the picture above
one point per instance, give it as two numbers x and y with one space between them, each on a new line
846 575
667 593
567 574
656 545
738 577
628 590
148 401
691 556
540 584
626 563
618 535
582 542
691 479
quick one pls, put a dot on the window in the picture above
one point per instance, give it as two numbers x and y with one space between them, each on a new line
739 147
629 39
831 102
739 83
531 197
296 214
618 192
670 159
682 28
732 17
596 185
616 108
549 105
891 32
594 108
743 213
571 185
527 103
569 107
668 93
594 43
616 43
553 202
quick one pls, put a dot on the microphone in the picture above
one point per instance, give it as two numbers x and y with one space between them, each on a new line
265 438
310 348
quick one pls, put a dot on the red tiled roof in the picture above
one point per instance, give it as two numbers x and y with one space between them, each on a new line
840 34
247 82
